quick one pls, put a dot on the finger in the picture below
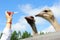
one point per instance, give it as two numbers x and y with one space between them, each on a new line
6 13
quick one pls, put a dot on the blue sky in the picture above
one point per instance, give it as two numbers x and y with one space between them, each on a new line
27 8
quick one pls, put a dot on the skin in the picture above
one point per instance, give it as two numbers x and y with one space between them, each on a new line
9 19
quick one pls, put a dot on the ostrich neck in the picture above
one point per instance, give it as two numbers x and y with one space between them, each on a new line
55 25
34 28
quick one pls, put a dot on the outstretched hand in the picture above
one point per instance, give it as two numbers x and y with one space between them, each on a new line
9 16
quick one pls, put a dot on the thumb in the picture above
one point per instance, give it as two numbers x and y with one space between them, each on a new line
6 13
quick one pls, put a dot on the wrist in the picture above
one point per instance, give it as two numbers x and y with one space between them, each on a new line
9 20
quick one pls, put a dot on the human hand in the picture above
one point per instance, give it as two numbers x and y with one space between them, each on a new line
9 16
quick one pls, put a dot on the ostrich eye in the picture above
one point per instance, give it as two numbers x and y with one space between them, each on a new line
32 17
45 10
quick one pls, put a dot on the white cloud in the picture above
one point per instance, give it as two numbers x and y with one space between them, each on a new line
20 25
0 32
17 27
49 29
16 12
27 9
56 11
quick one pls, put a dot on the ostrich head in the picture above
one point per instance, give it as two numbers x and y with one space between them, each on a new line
46 14
30 19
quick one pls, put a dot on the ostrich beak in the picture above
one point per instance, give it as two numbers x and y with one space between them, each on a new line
25 17
38 15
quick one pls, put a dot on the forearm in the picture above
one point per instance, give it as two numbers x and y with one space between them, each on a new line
7 31
9 23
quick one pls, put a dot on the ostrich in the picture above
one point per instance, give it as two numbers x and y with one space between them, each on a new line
31 22
48 15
